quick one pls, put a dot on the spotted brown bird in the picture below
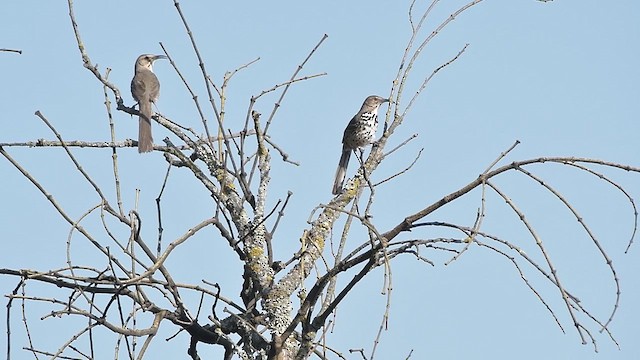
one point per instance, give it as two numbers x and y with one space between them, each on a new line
360 132
145 89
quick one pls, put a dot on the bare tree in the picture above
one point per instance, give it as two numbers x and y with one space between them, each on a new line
133 291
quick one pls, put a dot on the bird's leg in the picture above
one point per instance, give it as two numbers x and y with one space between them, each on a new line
155 106
359 153
360 156
133 107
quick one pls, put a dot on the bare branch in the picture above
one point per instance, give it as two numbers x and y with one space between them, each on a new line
405 224
12 50
546 255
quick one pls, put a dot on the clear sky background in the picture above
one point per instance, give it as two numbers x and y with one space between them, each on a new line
561 77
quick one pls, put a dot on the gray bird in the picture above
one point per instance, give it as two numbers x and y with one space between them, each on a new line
360 132
145 89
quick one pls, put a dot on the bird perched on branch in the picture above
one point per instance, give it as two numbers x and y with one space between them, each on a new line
360 132
145 89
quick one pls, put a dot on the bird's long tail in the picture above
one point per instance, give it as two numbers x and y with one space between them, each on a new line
145 140
342 171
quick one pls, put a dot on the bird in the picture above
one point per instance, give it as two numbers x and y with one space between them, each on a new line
145 89
359 133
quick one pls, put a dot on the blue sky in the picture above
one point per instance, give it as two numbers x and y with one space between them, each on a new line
561 77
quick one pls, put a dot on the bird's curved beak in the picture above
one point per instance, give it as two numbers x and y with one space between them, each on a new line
156 57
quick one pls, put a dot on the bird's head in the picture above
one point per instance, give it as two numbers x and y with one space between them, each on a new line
146 60
373 102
